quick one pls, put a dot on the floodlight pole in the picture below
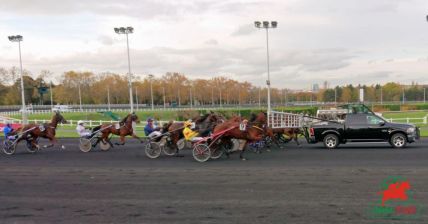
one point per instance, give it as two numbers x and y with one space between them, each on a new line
131 101
126 31
18 38
267 26
24 107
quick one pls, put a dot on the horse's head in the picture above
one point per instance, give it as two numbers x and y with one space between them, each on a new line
134 118
58 118
261 117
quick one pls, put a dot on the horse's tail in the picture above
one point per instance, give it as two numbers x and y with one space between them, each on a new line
166 126
96 128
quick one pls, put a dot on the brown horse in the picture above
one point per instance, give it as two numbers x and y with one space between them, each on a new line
231 128
204 124
123 128
47 130
261 118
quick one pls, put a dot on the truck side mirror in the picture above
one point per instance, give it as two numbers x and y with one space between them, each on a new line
382 123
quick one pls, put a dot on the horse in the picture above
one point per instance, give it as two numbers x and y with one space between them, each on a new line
261 119
46 130
231 128
205 124
124 128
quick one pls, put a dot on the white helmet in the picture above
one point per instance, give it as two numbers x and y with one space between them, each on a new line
80 122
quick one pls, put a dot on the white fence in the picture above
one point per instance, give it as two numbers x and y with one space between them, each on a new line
9 113
409 120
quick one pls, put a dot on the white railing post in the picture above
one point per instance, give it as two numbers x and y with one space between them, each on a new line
425 119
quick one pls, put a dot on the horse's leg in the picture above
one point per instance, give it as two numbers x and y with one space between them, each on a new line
177 150
53 141
136 137
296 139
241 155
106 139
243 146
122 140
34 143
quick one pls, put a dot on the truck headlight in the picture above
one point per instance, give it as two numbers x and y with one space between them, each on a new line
411 130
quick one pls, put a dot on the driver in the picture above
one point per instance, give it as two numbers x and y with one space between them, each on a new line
8 130
150 130
189 134
82 131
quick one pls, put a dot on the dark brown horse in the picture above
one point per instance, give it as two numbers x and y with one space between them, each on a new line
47 130
123 128
204 125
231 128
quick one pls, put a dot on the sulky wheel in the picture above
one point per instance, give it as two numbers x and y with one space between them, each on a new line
201 153
167 146
85 145
8 147
181 144
104 146
153 150
30 147
168 149
217 153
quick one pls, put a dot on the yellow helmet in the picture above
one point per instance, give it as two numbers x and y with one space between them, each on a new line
187 123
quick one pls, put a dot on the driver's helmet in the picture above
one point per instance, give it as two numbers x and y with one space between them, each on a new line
188 123
80 122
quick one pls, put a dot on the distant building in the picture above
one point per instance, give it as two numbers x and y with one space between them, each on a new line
315 88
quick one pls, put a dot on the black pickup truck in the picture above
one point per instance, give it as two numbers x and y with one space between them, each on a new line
362 126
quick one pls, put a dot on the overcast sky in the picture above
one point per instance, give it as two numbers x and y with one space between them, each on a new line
341 41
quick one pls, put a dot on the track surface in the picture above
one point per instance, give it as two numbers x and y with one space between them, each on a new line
296 185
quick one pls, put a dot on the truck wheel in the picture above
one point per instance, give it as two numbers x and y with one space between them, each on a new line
331 141
398 141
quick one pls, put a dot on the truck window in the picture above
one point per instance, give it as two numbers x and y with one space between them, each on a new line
352 119
371 119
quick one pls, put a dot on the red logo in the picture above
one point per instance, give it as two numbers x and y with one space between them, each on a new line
396 201
395 191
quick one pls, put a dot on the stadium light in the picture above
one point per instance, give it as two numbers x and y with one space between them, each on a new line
126 31
266 25
19 38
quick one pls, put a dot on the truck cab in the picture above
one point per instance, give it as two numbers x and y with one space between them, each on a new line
360 124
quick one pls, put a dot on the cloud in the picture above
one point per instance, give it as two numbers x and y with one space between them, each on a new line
244 30
105 40
211 42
